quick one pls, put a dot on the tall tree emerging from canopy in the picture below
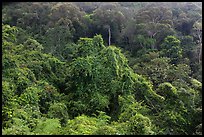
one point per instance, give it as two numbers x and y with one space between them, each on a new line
108 20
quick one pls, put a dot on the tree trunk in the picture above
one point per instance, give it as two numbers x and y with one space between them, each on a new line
114 106
109 36
200 53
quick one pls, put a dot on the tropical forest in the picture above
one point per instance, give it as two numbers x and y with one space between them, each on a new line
101 68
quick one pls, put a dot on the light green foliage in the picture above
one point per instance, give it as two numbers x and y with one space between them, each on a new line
48 127
144 91
8 33
32 44
18 128
58 110
22 93
104 127
130 107
30 114
81 125
85 125
179 110
140 125
196 84
106 130
171 48
133 116
89 46
22 77
167 90
30 96
9 101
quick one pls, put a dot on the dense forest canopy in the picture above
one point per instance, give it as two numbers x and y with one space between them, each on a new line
102 68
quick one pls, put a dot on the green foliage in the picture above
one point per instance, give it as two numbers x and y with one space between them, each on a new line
130 107
18 128
59 78
9 101
167 90
55 40
30 96
81 125
48 96
89 46
58 110
179 110
48 127
133 116
140 125
144 42
90 72
173 122
171 48
8 33
196 84
157 68
32 44
30 114
70 51
85 125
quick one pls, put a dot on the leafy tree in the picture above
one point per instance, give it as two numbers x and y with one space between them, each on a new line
18 128
58 110
171 48
158 23
55 40
48 127
108 21
81 125
178 110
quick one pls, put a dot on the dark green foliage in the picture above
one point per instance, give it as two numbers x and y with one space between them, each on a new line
55 40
